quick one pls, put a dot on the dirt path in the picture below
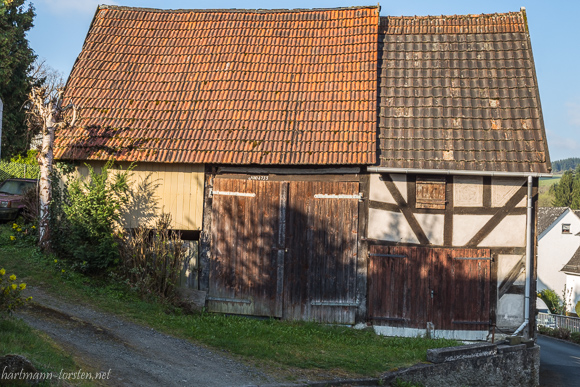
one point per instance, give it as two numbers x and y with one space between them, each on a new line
136 356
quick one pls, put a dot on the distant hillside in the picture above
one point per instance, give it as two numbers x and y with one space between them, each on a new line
565 165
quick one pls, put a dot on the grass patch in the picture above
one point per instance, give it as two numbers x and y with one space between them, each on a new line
18 338
271 343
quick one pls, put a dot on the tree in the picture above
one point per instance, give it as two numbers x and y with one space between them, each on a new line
567 191
16 58
47 111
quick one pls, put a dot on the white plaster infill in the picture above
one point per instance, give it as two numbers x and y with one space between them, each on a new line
462 335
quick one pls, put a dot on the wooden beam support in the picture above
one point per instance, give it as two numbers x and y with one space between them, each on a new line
407 212
496 219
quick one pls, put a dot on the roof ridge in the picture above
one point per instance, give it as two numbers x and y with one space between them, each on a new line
465 16
232 10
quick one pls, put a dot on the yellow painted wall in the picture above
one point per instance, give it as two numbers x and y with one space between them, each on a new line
172 188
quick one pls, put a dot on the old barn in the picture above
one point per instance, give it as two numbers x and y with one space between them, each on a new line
334 165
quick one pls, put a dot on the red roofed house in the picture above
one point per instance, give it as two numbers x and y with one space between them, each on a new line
276 110
263 133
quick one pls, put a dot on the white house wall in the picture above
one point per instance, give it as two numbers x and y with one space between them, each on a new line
573 286
475 201
555 250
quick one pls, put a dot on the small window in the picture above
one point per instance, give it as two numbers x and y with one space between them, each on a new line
430 193
565 228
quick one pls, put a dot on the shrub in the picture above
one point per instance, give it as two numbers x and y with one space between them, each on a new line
84 218
544 330
10 293
152 259
575 337
552 300
561 333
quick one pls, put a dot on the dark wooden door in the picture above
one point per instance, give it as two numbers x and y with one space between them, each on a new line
413 286
321 253
285 248
245 266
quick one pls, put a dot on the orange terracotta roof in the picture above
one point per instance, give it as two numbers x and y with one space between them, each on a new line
226 86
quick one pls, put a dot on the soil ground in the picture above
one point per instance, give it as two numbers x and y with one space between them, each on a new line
135 355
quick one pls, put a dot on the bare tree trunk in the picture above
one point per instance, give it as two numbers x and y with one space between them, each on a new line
46 108
45 184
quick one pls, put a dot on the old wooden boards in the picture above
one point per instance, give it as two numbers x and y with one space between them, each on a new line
411 287
284 247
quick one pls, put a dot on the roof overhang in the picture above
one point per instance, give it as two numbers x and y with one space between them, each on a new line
455 172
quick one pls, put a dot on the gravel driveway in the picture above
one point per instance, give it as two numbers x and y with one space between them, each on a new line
135 355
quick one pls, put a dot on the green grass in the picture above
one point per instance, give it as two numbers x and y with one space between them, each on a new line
275 344
18 338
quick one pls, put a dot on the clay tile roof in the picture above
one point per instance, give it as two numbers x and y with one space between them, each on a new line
573 265
460 93
226 86
547 216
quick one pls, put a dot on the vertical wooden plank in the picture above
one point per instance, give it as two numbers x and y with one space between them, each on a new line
205 242
448 217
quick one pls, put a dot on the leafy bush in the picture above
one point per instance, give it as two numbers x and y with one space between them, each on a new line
10 293
552 300
84 217
561 333
544 330
575 337
152 259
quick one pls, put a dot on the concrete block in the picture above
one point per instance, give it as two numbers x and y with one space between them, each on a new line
442 355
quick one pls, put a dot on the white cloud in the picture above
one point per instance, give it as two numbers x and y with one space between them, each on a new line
71 6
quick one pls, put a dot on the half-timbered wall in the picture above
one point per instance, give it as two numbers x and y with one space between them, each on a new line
176 189
477 213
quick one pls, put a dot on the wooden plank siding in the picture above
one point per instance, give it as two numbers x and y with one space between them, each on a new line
172 188
243 268
297 239
413 286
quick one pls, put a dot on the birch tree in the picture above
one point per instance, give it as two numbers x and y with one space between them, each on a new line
47 110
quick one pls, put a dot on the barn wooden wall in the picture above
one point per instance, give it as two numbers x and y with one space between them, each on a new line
172 188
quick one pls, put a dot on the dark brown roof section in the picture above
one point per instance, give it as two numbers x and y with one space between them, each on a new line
460 93
278 87
547 216
573 265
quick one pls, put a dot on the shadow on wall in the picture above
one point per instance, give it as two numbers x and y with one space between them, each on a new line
142 207
283 252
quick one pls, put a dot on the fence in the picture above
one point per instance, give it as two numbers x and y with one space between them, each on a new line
8 170
559 321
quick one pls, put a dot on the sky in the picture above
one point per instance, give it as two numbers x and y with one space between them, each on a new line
61 27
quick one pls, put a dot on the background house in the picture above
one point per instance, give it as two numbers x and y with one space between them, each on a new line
572 271
558 241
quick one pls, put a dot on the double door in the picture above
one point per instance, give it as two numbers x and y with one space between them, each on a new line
284 248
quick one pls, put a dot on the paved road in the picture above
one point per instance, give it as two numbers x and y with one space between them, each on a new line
559 363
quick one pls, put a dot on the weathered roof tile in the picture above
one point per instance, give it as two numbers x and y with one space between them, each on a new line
242 86
468 78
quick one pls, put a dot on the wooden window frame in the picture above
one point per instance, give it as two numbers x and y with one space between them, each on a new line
430 192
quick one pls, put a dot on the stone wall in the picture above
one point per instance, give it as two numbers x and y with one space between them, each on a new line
475 365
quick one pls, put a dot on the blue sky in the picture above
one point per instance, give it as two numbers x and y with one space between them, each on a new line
61 27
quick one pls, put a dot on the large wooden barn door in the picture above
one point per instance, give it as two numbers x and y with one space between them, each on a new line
321 259
285 248
244 268
410 287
